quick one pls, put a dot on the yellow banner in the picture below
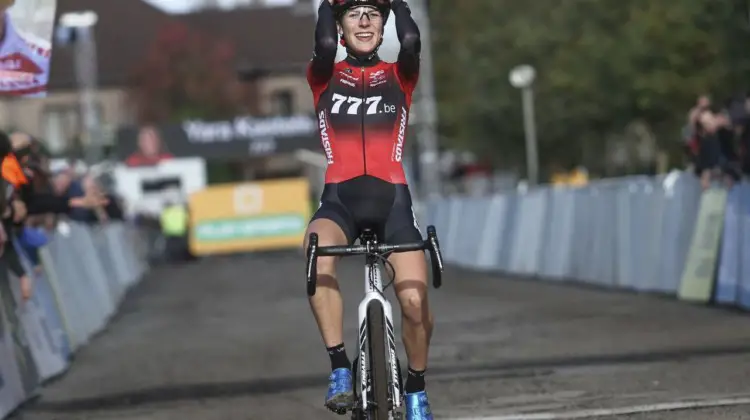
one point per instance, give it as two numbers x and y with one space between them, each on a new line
249 216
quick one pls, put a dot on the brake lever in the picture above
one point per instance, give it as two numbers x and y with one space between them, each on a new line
312 264
436 257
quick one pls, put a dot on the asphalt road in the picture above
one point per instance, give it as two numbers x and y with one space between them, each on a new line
232 338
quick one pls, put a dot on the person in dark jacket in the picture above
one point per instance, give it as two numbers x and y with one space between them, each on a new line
21 200
16 154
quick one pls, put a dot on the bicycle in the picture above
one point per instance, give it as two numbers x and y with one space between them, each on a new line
381 388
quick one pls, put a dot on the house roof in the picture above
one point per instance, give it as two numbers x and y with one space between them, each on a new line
272 39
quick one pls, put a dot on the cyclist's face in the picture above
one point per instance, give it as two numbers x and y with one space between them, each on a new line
362 28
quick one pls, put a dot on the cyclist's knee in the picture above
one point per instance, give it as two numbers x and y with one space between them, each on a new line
326 267
414 306
326 274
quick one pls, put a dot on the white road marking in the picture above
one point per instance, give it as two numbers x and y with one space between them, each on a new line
604 412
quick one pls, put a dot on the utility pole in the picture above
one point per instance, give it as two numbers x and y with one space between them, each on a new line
426 124
78 30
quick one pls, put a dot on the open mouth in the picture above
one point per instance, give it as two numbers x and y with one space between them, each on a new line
364 36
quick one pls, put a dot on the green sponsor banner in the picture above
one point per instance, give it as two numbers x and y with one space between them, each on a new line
276 225
249 216
700 268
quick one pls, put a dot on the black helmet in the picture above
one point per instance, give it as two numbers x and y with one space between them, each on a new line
341 6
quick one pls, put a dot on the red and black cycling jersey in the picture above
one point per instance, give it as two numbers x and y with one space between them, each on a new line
362 103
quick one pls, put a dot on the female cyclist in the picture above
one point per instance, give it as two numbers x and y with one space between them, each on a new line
362 104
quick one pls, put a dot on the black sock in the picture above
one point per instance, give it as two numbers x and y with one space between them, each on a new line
414 381
338 357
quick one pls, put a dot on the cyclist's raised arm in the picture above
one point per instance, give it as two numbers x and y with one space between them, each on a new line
411 45
320 69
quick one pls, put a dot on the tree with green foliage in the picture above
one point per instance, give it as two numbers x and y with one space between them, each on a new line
601 66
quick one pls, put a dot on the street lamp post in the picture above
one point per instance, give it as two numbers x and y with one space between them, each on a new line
78 29
522 77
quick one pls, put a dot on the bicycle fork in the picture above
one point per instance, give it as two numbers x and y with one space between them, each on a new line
374 296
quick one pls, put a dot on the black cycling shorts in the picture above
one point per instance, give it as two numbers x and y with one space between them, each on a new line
367 202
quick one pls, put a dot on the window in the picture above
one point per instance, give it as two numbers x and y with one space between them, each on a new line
62 126
282 103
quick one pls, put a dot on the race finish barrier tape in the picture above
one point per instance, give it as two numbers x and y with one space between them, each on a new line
650 234
84 275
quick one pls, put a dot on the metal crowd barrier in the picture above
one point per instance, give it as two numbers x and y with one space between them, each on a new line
649 234
86 272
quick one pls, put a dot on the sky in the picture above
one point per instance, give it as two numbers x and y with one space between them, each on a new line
182 6
388 51
173 6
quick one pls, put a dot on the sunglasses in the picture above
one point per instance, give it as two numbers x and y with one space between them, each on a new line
357 13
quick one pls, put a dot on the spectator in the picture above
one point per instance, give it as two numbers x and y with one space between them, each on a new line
717 155
19 176
20 200
690 136
174 227
65 185
743 134
91 187
31 238
61 183
729 156
736 109
701 104
151 149
701 120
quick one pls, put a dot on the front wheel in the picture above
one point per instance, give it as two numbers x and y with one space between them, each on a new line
358 415
378 365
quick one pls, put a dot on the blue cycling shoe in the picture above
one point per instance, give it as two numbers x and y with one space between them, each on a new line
417 406
340 391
